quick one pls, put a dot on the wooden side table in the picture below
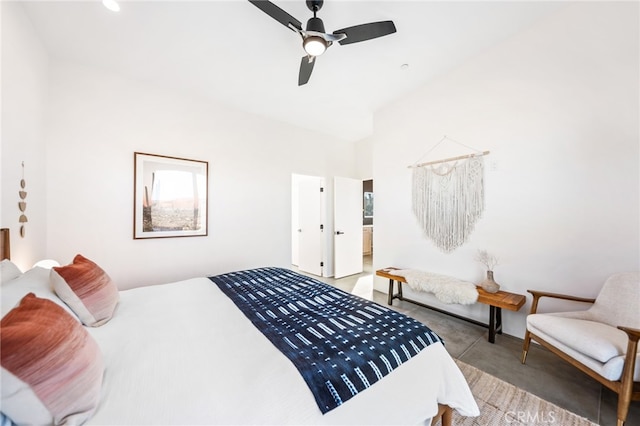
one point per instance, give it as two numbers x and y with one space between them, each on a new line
496 301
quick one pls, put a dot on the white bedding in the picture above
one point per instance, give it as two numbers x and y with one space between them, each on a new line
183 353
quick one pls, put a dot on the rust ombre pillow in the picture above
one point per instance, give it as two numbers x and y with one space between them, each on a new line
51 367
86 289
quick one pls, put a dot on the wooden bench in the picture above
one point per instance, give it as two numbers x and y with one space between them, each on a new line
496 301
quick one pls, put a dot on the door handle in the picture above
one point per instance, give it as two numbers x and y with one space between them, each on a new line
339 232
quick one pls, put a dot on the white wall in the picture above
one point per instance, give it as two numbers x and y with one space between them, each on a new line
81 195
557 106
364 158
97 120
24 95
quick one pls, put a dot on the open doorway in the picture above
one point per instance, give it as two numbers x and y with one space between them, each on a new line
367 224
318 248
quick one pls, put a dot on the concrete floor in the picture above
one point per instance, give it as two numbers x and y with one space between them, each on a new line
544 374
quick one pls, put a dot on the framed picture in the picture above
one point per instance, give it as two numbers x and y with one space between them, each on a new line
170 196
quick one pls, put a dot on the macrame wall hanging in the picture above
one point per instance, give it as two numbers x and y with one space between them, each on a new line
448 196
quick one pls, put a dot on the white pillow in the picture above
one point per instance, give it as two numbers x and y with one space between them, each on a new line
9 271
35 280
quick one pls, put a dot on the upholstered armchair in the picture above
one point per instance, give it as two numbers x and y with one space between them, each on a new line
601 341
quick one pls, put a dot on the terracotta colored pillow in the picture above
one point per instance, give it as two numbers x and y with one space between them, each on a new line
51 367
86 289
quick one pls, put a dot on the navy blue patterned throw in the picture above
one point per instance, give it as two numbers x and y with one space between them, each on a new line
340 343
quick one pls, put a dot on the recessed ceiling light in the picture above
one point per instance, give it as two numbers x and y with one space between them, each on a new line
112 5
404 66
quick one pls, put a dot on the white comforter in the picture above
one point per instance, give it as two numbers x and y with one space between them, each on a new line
183 353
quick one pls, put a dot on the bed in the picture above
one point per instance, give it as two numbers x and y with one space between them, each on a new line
186 353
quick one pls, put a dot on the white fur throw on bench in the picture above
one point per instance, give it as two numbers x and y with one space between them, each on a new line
446 289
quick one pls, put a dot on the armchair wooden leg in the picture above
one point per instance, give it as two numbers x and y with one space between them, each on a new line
624 401
626 387
525 346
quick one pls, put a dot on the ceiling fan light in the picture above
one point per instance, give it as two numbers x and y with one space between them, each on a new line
314 45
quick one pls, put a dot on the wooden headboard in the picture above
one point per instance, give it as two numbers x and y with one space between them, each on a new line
5 244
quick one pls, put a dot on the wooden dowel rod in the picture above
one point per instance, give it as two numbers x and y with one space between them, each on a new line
461 157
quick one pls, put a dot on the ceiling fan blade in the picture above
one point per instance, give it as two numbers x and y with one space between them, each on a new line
306 66
366 31
278 14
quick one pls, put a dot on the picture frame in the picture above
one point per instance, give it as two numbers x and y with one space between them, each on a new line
170 196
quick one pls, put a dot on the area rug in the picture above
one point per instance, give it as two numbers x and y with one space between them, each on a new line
364 287
502 403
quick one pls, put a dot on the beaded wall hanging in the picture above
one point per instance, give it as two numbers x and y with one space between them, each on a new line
22 204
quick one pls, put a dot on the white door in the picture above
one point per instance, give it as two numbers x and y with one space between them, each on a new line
347 226
310 232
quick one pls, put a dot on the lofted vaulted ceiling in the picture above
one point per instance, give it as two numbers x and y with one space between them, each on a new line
232 52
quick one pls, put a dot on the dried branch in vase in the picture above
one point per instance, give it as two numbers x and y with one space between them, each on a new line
487 259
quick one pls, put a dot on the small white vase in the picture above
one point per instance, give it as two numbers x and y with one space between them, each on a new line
489 285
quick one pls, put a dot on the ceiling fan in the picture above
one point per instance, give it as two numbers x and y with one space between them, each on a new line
314 39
